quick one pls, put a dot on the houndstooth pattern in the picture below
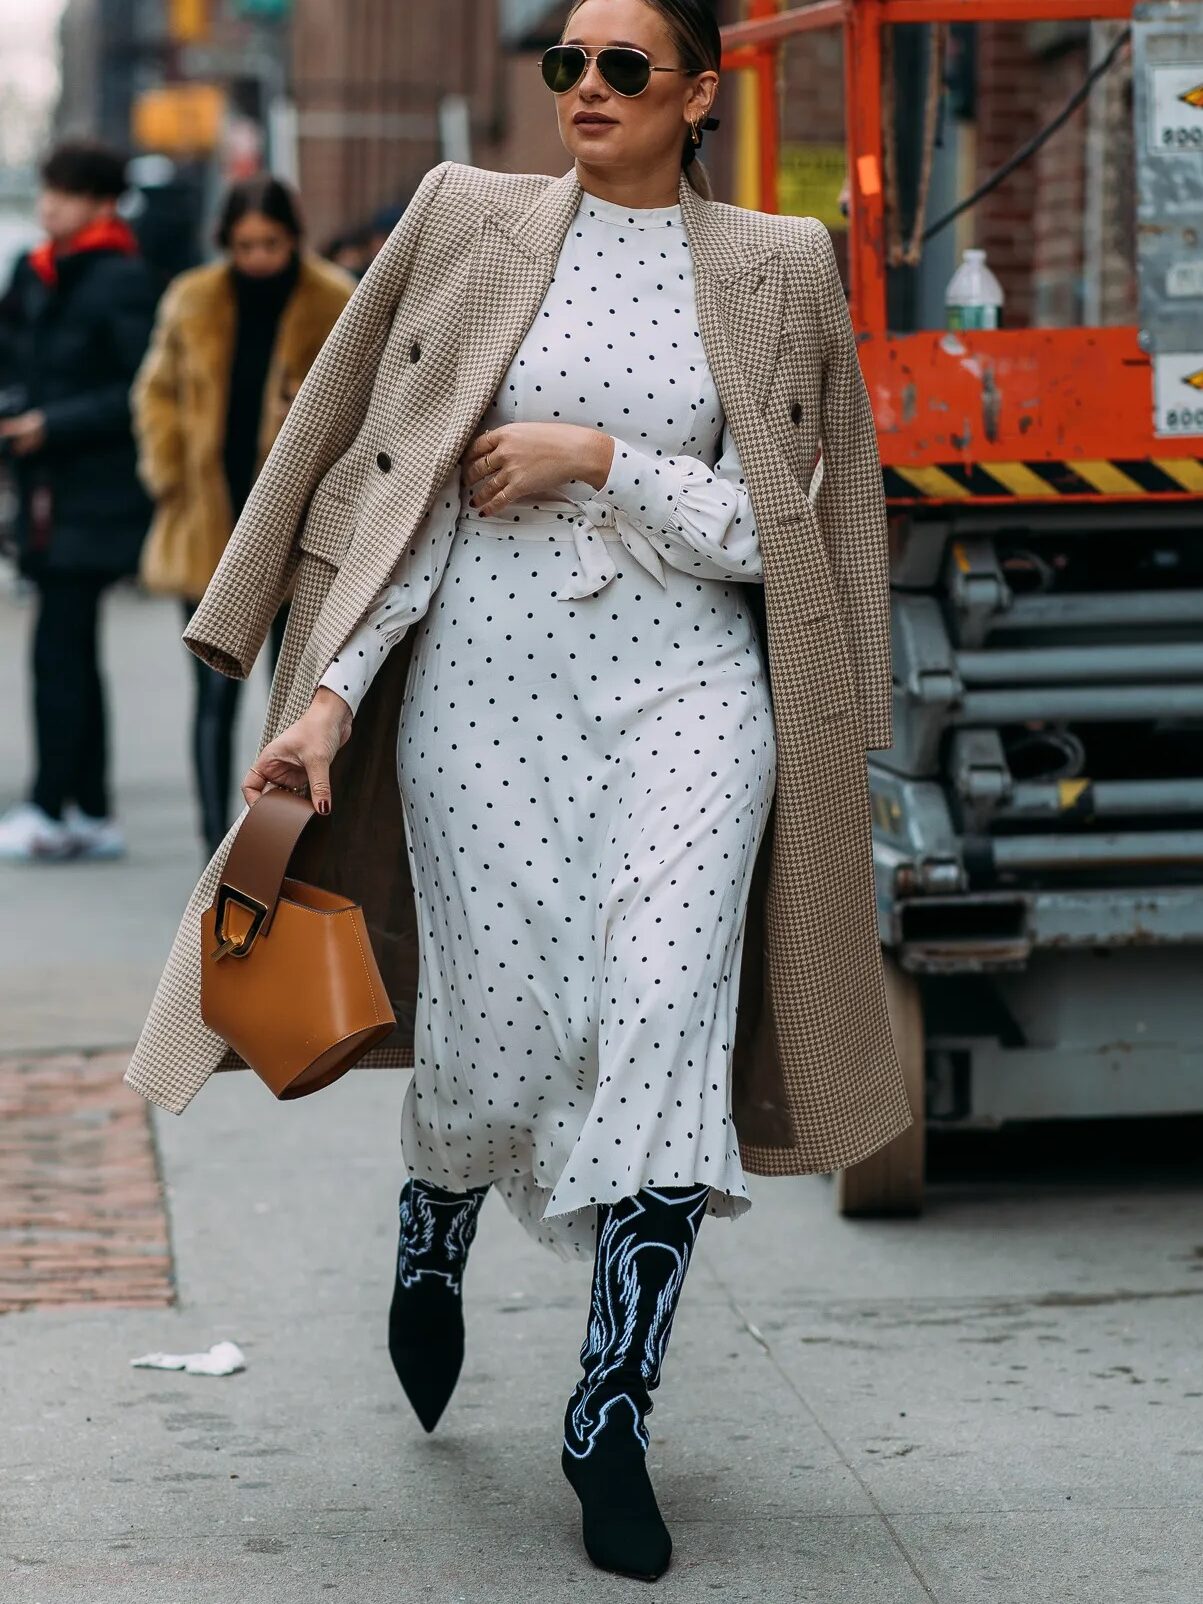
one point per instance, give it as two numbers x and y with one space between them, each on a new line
405 376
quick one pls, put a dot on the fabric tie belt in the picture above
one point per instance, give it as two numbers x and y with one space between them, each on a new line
594 526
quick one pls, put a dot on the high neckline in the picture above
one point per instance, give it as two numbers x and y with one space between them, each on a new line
267 293
638 217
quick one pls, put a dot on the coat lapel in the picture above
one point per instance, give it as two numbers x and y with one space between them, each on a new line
212 330
739 303
513 263
739 298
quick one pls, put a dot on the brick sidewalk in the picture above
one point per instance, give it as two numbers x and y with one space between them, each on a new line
82 1214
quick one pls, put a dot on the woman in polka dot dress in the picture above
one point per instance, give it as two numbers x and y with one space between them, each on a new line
586 758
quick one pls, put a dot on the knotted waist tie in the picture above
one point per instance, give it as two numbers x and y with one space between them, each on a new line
593 526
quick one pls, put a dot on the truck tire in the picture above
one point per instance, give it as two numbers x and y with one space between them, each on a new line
890 1182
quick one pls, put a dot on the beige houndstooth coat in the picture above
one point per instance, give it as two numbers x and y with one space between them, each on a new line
378 427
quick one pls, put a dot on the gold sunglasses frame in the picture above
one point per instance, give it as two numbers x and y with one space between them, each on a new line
593 55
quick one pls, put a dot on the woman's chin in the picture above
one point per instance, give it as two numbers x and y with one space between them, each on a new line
598 146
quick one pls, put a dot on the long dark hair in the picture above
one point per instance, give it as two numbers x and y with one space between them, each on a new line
695 33
260 196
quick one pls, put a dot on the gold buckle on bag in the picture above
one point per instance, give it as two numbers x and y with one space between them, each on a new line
236 946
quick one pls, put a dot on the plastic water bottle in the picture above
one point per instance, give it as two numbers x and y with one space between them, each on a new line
974 297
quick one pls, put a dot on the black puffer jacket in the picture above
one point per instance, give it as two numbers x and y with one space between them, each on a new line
71 352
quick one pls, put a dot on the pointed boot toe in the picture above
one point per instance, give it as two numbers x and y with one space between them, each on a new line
426 1345
427 1385
426 1317
628 1546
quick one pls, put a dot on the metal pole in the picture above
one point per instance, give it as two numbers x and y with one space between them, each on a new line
1170 848
1082 665
1103 704
770 29
862 101
767 108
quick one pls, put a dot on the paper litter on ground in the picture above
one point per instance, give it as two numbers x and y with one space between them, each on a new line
222 1359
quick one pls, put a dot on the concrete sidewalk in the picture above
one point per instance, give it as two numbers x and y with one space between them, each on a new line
995 1405
998 1404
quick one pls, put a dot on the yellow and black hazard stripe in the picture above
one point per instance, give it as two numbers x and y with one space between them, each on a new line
1134 480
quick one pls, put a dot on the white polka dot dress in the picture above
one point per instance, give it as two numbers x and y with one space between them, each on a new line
586 761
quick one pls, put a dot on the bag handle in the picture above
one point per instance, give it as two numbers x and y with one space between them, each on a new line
257 864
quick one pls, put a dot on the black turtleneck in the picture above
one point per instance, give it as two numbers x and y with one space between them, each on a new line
260 303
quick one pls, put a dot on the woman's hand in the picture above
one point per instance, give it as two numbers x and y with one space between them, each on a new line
25 434
302 755
532 459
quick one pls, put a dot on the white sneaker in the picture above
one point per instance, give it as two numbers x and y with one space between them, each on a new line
94 838
29 834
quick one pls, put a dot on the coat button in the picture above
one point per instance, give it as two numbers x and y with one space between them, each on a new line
383 461
795 412
415 351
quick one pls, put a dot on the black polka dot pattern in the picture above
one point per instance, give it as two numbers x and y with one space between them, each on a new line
585 777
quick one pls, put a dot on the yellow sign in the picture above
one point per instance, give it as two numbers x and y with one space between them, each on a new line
1195 379
1069 792
1194 97
181 119
188 20
810 177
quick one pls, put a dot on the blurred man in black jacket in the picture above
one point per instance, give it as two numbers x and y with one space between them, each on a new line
75 324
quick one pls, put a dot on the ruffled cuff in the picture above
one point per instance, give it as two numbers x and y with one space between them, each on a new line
647 489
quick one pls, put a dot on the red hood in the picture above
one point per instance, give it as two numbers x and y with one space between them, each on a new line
111 234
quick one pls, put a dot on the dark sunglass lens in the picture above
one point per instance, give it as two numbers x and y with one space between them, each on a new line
627 72
562 67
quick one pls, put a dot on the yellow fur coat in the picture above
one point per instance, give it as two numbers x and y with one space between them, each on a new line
179 407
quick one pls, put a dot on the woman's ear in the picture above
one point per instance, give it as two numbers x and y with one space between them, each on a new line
701 96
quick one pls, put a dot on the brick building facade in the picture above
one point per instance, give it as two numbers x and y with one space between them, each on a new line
371 79
1059 232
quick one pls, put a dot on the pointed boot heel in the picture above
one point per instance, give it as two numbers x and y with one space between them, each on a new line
621 1525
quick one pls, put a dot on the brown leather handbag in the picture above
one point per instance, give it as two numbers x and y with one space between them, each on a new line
288 976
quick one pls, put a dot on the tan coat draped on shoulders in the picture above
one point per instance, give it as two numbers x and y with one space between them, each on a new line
377 432
180 399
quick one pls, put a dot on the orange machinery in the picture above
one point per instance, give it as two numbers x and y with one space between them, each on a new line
991 415
1038 823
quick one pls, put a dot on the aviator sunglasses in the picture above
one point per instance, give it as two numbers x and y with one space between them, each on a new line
627 71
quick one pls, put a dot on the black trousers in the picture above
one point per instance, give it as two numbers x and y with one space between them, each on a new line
70 724
215 712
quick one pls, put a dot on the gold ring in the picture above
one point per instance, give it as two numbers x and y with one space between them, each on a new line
488 469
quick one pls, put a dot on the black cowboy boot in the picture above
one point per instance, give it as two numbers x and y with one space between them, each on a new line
426 1320
643 1248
